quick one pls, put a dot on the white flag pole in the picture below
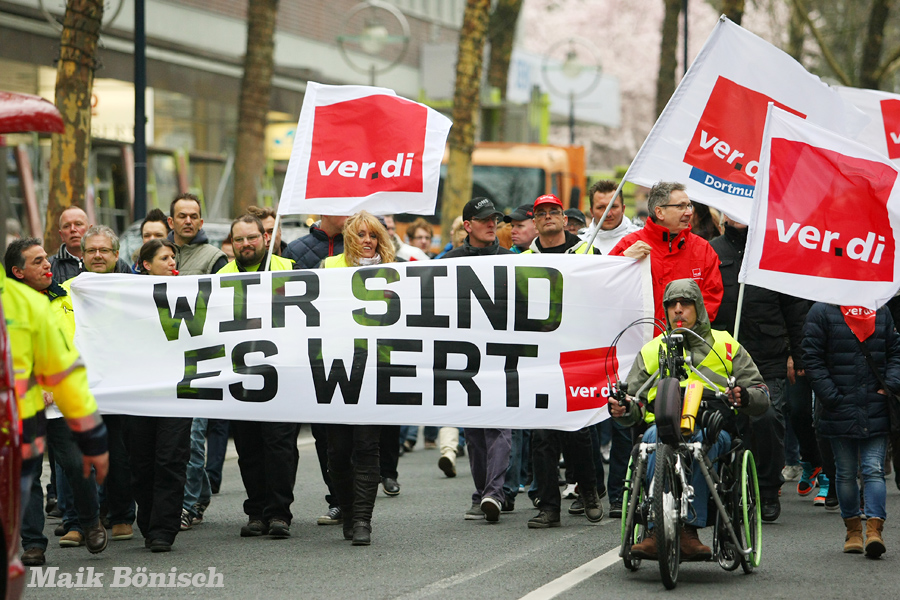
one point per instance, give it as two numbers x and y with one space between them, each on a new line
272 241
737 313
608 207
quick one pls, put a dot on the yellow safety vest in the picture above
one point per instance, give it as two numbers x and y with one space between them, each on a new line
333 262
278 264
711 366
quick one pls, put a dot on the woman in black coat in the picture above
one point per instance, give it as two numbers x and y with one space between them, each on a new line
852 406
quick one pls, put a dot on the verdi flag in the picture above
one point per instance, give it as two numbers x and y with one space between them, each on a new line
827 214
709 135
882 134
360 147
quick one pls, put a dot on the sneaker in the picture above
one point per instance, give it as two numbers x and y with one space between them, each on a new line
831 503
430 445
808 477
122 531
279 529
569 493
254 528
196 520
509 505
475 513
491 509
332 517
577 507
792 472
186 518
593 510
819 500
615 510
604 452
73 539
544 520
447 465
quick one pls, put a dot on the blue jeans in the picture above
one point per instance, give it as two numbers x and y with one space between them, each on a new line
196 487
852 455
701 490
32 505
511 481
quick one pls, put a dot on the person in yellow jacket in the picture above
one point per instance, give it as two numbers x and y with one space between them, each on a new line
717 355
43 357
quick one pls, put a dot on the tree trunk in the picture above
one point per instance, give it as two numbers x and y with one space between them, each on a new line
256 90
734 10
71 150
502 33
869 73
796 33
668 55
466 102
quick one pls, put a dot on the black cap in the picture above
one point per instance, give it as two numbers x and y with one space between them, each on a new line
479 208
522 213
574 213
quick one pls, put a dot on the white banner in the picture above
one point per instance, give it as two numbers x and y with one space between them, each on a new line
826 221
510 341
882 134
709 135
360 147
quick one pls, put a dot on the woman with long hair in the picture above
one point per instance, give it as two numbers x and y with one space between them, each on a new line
353 459
159 446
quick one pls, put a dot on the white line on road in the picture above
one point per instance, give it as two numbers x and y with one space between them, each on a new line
574 577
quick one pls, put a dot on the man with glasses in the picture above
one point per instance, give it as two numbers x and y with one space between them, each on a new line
550 222
488 448
675 252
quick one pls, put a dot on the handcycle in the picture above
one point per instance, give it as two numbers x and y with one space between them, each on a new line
666 502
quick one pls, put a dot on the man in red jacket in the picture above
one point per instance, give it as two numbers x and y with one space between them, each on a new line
675 252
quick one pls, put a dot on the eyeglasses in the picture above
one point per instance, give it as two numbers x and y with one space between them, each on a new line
492 219
103 251
547 213
250 239
683 207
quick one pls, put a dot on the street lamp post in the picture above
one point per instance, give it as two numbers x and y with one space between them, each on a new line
572 68
374 37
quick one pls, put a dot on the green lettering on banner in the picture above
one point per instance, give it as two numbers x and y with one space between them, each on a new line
267 372
554 309
280 300
351 384
192 358
170 320
468 285
240 283
392 311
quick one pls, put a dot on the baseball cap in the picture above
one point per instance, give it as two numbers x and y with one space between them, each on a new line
548 199
522 213
479 208
575 214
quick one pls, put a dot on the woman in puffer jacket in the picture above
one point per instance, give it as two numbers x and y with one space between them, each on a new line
852 407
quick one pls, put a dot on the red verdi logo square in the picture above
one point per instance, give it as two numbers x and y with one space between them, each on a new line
827 214
890 112
585 373
367 145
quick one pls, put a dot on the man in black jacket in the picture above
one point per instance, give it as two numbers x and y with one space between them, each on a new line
771 329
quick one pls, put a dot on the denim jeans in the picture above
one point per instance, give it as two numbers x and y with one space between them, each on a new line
511 480
196 487
852 455
701 490
33 507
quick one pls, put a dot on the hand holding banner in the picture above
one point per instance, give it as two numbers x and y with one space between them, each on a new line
360 147
825 222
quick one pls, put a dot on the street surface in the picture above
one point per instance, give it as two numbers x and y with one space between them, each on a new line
423 548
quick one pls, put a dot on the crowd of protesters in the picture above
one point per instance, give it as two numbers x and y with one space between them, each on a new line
828 371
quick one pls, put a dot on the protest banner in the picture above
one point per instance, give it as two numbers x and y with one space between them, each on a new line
709 135
360 147
507 341
825 222
882 134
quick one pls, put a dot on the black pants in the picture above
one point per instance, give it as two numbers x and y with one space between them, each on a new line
216 447
765 434
354 468
546 446
320 434
119 496
160 448
267 457
389 450
619 453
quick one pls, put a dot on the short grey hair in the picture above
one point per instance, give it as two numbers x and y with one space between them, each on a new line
101 230
659 195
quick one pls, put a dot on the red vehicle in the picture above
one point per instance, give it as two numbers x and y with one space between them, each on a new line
18 113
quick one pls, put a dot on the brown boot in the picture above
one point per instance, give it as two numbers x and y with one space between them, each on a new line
874 543
692 549
853 543
647 548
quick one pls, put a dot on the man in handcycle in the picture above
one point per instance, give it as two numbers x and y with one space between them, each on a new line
683 304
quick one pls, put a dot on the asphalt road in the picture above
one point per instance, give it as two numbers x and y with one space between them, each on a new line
423 548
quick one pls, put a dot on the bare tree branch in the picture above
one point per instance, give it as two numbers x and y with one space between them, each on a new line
826 51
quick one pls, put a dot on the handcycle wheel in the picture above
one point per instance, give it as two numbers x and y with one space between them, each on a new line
727 556
749 530
634 530
667 514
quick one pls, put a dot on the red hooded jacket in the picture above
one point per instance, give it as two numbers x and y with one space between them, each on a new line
686 256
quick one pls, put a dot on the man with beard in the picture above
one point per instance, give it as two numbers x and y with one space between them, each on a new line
267 451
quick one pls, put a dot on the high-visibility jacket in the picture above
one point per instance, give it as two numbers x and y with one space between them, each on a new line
278 264
43 357
333 262
715 368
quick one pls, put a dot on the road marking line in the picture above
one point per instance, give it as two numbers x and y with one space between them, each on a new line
574 577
